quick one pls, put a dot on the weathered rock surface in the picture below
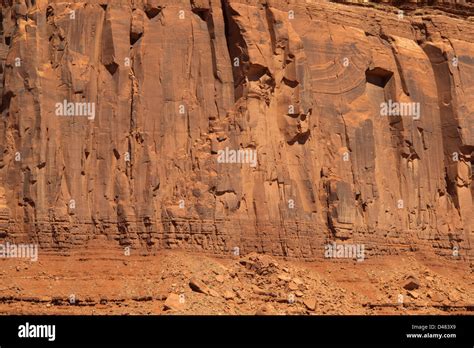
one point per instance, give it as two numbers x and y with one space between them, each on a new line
173 82
157 284
458 7
173 302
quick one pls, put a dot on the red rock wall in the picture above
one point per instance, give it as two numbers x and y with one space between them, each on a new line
304 92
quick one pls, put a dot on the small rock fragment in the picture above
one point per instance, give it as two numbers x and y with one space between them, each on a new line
212 293
284 277
198 286
436 297
413 294
293 286
228 295
297 281
173 303
411 283
310 304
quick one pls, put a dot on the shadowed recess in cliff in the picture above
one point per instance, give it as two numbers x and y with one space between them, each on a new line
237 50
451 139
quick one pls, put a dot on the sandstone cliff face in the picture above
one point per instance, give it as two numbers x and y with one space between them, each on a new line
173 83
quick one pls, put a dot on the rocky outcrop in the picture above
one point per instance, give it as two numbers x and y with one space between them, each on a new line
236 126
463 8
